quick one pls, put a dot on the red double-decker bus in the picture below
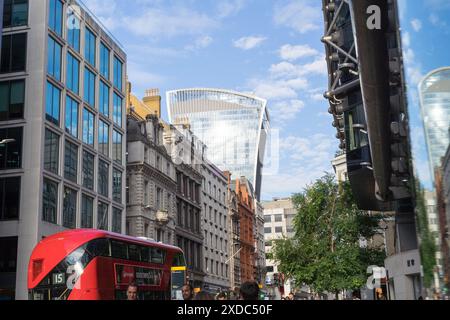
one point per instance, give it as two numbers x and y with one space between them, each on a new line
99 265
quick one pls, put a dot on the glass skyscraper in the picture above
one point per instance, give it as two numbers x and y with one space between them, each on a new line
234 126
434 93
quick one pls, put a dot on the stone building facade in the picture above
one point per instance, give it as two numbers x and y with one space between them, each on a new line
187 153
151 182
215 228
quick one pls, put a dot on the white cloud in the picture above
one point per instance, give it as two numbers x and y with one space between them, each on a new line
230 8
287 69
318 147
416 25
436 21
291 53
169 22
309 157
247 43
302 16
317 97
269 89
200 43
143 79
286 110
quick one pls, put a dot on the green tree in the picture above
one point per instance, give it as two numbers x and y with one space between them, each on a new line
325 252
427 243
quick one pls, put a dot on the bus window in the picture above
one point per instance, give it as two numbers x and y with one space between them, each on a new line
157 255
98 247
119 250
133 252
178 260
145 254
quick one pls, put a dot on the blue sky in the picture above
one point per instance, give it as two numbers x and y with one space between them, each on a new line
272 49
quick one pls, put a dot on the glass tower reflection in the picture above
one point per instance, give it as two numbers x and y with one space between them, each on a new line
434 93
234 127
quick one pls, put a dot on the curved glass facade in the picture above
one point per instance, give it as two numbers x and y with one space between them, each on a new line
233 126
435 105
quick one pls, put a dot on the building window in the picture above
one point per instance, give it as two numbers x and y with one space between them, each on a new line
104 61
158 198
103 174
88 170
278 229
90 46
267 218
117 186
69 208
11 153
268 230
14 49
146 193
88 127
89 87
102 216
51 152
12 97
9 198
117 112
49 201
104 99
278 218
103 138
117 220
54 58
15 13
117 147
53 104
73 74
55 16
145 154
117 73
8 255
71 162
71 117
73 30
87 212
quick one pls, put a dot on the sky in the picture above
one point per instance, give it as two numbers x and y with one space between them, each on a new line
273 50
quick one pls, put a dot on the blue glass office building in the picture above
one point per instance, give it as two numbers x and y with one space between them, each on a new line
234 126
434 93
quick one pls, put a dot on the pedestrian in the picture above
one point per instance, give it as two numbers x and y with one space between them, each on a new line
291 296
249 291
203 295
132 291
187 291
221 296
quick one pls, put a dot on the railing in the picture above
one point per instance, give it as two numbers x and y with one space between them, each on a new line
97 20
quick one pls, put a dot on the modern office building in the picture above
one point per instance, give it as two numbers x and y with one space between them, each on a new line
367 98
260 247
215 223
62 158
188 154
278 223
233 125
434 91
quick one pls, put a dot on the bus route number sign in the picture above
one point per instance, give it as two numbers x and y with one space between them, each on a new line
58 278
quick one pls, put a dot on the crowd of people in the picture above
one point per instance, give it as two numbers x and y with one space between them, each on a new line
247 291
